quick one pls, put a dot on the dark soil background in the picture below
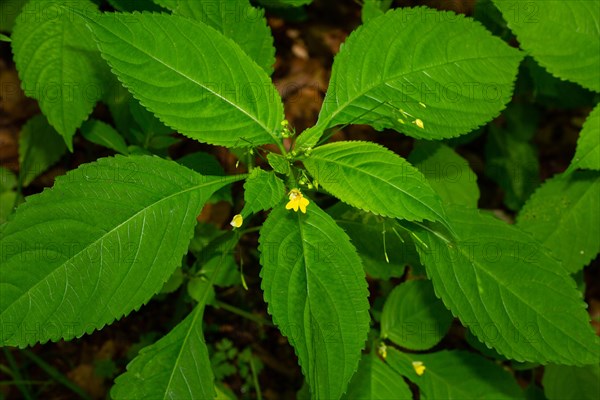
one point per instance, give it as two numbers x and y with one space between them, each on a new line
305 46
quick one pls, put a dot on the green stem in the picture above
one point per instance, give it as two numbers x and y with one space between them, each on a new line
57 375
281 147
16 374
243 314
6 370
16 383
293 178
213 276
255 378
250 230
250 160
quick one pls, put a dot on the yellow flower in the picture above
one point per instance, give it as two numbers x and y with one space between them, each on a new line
419 367
297 200
237 221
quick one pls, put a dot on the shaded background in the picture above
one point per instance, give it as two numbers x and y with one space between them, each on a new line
306 41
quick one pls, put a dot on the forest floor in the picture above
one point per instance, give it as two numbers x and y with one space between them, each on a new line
305 50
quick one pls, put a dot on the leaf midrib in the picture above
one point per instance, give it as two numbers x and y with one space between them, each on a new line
198 311
477 266
393 78
310 369
379 179
308 298
226 100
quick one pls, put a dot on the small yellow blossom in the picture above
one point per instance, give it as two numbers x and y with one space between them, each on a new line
297 200
237 221
419 367
419 123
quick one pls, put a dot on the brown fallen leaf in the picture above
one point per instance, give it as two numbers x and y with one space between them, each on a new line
84 376
9 148
14 105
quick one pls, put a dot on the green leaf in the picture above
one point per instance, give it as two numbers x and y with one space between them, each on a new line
587 155
497 281
58 63
304 392
285 3
419 69
7 203
228 274
8 180
533 392
168 4
562 382
372 178
413 317
513 164
375 380
98 245
374 8
203 163
135 5
476 344
198 288
448 173
546 89
217 261
175 367
150 133
4 38
118 101
204 234
234 105
262 191
207 164
487 13
522 120
239 21
456 375
511 160
147 122
562 36
366 231
105 135
563 215
316 291
8 195
279 163
224 393
9 12
40 147
217 266
173 283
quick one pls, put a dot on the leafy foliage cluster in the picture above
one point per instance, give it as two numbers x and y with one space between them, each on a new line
109 234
